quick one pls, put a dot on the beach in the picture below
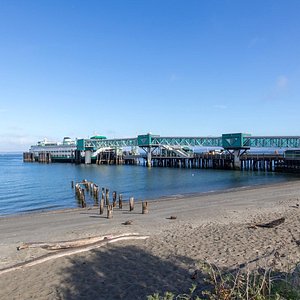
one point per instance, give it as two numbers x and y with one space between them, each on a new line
218 228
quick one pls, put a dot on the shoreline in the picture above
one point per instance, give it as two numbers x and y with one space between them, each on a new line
212 227
159 199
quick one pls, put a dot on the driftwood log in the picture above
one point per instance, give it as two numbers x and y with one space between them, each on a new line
129 222
81 246
63 244
271 224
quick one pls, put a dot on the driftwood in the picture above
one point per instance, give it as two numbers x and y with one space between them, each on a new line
67 252
64 244
271 224
129 222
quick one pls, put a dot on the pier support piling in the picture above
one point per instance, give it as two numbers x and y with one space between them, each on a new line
88 157
236 160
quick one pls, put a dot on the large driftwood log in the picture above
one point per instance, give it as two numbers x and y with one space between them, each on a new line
67 252
64 244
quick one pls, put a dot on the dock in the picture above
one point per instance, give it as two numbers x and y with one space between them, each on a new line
230 151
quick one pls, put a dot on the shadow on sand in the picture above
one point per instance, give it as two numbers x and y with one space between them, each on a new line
128 272
122 272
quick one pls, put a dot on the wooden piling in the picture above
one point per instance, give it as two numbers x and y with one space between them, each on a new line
96 192
102 206
114 196
131 203
109 211
107 196
83 198
91 188
120 201
85 183
103 196
145 207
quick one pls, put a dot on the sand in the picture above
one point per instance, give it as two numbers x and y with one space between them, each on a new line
213 227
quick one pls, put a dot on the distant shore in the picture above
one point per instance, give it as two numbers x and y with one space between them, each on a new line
212 226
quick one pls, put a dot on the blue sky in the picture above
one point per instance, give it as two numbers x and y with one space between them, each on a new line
123 68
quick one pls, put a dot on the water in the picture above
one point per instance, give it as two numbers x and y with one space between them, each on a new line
28 187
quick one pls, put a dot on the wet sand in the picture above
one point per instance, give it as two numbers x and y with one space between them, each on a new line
212 227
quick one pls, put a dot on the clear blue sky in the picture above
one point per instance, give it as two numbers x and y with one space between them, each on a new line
123 68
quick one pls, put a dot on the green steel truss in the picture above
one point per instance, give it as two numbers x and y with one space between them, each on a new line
156 141
274 141
187 141
107 143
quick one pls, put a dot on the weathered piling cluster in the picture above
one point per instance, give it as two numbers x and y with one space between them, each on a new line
225 160
110 157
261 162
254 162
81 188
197 161
28 157
84 188
43 157
291 166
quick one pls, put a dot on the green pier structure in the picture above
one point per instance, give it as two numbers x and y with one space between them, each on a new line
234 143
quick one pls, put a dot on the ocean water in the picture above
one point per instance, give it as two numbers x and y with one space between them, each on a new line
28 187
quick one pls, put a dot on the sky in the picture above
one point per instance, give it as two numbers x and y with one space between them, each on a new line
121 68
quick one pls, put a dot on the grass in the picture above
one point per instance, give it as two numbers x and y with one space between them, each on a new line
237 285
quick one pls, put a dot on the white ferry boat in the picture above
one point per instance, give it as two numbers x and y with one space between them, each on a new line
64 150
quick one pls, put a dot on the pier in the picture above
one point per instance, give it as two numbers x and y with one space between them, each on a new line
230 151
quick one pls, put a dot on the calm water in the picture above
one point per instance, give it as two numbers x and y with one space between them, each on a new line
27 187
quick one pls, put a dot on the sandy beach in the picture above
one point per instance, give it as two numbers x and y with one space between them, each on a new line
214 227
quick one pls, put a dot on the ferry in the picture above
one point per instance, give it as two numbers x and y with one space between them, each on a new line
59 151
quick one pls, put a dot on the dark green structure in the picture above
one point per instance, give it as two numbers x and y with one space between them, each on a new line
236 141
145 140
